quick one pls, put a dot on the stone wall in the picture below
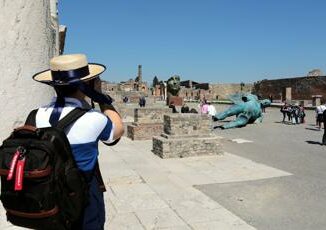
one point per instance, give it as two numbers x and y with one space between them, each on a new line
223 90
187 124
302 87
148 122
27 43
186 135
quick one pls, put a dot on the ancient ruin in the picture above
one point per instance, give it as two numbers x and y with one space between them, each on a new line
148 122
186 135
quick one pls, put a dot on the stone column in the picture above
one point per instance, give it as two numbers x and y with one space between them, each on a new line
288 94
316 100
140 77
27 43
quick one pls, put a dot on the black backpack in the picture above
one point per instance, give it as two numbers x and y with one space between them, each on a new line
41 186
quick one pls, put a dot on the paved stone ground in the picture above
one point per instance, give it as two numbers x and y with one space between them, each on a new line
294 202
147 192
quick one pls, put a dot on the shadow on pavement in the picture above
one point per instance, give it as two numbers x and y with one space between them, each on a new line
313 129
314 142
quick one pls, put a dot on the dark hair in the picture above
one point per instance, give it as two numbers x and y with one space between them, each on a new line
66 90
69 90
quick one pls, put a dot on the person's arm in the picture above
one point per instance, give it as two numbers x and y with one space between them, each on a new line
110 112
115 118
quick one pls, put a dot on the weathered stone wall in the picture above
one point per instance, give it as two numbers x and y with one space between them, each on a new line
148 122
302 87
187 124
223 90
186 135
27 43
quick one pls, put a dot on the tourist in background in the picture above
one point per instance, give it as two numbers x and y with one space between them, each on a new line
319 115
184 108
284 110
142 101
204 107
125 99
211 109
295 114
172 106
324 136
302 114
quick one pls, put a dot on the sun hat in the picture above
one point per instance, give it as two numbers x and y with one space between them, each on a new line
69 69
72 69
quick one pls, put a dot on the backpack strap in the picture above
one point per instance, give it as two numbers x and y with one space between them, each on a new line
66 121
71 117
31 119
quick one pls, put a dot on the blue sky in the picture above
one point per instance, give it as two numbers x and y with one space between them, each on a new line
217 41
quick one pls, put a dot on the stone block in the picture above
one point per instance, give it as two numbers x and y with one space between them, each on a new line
186 135
187 124
139 131
186 147
148 122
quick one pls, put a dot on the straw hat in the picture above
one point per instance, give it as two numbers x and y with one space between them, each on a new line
68 69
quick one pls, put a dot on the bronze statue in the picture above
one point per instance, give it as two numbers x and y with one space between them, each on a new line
173 86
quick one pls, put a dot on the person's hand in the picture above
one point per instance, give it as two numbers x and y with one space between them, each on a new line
98 85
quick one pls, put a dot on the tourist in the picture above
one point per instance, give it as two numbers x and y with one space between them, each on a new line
142 101
302 114
289 113
172 106
319 115
262 107
204 107
284 110
211 109
84 134
184 108
324 136
125 99
193 111
295 114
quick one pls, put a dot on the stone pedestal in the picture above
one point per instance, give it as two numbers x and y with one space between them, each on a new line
186 135
178 101
148 122
316 100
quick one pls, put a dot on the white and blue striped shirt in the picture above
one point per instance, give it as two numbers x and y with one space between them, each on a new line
84 134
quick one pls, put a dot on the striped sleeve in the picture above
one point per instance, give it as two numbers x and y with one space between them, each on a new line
107 133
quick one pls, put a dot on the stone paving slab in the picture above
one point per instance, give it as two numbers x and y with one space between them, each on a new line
147 192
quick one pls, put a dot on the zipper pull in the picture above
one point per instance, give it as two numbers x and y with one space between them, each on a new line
20 172
20 150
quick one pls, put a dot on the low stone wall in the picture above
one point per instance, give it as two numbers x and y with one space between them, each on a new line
148 122
186 135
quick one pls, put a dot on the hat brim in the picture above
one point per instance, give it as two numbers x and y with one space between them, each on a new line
46 77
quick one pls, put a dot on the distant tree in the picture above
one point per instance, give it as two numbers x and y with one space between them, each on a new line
155 81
